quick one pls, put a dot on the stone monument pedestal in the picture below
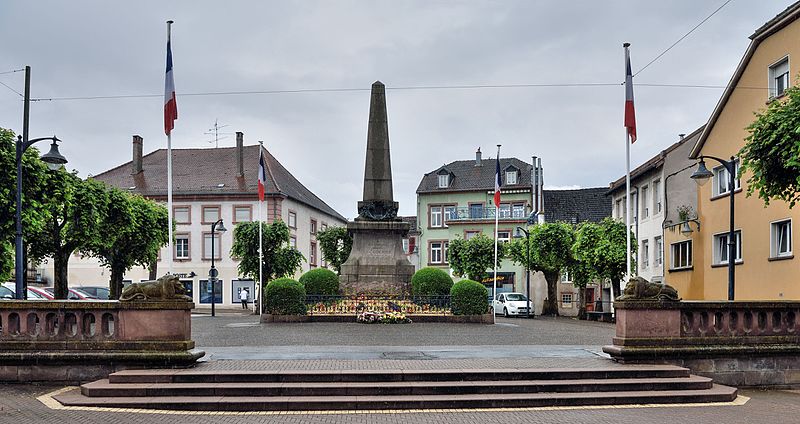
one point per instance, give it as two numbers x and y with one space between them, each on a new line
377 262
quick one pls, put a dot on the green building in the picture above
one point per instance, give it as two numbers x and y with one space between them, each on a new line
456 201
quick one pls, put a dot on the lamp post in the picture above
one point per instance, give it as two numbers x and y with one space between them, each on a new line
54 159
701 176
531 220
212 273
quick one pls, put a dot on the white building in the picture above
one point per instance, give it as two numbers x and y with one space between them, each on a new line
658 188
209 184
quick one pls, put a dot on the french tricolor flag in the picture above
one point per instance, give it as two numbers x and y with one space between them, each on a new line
630 115
497 182
262 176
170 101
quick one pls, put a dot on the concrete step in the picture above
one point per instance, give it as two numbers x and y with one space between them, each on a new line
104 388
211 376
716 393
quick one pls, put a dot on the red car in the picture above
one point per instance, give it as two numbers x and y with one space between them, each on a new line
73 294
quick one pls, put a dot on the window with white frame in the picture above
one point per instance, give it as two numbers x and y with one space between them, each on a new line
721 248
779 78
292 219
182 214
436 216
511 177
444 180
565 276
182 246
505 210
242 213
619 208
721 179
658 244
470 234
405 246
781 236
313 226
293 242
645 254
210 214
566 300
503 236
518 210
312 254
656 197
681 255
207 246
438 251
645 203
449 213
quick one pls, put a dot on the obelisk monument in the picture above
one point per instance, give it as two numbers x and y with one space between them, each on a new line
377 263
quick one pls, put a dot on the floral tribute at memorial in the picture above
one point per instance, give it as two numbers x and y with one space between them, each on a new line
370 317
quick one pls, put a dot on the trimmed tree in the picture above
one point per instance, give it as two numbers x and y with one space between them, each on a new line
468 297
431 281
280 259
602 248
771 153
550 253
285 296
335 244
34 175
133 232
76 210
320 282
472 258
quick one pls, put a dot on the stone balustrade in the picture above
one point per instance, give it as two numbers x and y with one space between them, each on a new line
78 340
742 343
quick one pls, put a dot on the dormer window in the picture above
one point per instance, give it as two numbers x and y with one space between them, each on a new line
511 177
779 78
444 180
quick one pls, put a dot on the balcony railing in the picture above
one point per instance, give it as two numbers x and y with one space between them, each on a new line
474 213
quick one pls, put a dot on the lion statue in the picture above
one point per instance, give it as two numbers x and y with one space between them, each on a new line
640 289
167 287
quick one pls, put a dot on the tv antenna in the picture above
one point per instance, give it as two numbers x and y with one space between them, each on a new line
214 131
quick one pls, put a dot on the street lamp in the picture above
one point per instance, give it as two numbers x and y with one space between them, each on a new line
54 160
532 218
701 176
212 273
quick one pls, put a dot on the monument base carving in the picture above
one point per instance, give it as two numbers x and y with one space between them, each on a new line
377 262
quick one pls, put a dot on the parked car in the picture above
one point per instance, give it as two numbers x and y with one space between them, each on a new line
72 295
512 304
98 292
6 293
34 293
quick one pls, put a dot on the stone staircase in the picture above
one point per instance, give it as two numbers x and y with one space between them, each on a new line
223 390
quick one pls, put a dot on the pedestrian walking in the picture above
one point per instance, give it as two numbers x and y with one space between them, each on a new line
244 296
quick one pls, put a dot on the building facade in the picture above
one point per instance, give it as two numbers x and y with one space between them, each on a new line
765 267
456 201
660 188
212 184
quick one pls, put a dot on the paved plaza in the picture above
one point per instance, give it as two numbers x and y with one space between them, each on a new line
237 341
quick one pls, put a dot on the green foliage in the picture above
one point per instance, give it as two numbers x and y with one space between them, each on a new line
468 297
75 212
280 259
320 282
133 232
431 282
335 244
550 252
601 248
473 257
285 296
34 173
771 153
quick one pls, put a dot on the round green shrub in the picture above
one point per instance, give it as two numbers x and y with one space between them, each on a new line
285 296
320 282
468 297
431 282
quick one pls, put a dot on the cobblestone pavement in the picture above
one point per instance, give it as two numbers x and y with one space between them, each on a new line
245 330
18 405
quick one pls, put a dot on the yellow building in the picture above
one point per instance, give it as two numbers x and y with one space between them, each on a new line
765 265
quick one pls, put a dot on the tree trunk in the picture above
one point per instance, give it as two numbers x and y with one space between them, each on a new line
153 271
581 302
60 266
115 285
550 305
616 286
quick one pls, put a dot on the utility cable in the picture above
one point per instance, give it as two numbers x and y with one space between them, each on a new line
8 87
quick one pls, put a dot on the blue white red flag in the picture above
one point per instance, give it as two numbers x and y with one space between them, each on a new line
170 101
630 115
262 176
497 182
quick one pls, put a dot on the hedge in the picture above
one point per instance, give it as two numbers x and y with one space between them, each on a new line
320 282
468 297
285 296
431 282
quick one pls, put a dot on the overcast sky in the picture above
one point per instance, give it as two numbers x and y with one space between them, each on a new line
100 48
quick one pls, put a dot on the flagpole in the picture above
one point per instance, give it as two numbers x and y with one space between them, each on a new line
627 274
496 224
260 239
169 177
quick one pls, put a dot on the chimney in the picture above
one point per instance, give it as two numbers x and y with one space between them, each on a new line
478 157
137 155
240 152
